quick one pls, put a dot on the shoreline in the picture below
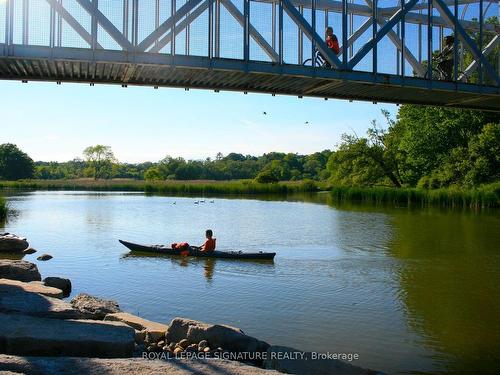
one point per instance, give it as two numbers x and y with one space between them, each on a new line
483 197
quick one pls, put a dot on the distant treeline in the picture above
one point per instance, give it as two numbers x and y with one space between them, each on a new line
424 148
271 167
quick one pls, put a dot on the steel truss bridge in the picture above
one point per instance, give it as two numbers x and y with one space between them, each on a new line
266 46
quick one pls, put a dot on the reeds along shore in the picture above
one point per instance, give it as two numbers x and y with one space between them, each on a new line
485 196
171 187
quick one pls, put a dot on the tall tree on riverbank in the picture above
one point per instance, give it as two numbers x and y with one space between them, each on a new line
425 146
14 163
370 160
100 160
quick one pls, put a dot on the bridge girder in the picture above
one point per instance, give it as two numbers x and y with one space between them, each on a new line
359 47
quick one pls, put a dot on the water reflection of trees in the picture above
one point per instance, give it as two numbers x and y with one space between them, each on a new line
449 284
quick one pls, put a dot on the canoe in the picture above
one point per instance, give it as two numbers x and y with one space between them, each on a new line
162 249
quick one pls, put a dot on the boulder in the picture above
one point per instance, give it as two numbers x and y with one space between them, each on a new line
293 361
29 250
94 308
45 257
14 299
23 335
32 287
128 366
140 336
227 337
155 331
11 243
19 270
60 283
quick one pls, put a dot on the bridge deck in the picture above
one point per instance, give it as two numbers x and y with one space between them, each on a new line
34 63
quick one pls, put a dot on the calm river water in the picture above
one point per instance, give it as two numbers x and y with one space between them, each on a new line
410 291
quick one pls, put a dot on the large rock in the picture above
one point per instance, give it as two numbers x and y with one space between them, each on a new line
94 308
132 366
44 257
31 287
23 335
19 270
11 243
226 337
16 300
154 330
29 251
293 361
59 283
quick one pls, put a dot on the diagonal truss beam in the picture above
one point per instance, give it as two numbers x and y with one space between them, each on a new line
254 33
396 17
466 39
167 25
398 42
356 35
180 27
487 50
311 34
106 24
72 22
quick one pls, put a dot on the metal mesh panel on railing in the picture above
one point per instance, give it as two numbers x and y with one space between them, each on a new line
261 18
198 35
18 27
290 41
113 10
3 22
181 35
231 30
38 18
69 37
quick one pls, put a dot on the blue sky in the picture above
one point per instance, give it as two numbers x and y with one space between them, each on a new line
56 122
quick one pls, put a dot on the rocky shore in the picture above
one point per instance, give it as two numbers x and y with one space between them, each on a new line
42 333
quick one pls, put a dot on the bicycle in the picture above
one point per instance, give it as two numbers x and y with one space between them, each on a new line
440 75
320 61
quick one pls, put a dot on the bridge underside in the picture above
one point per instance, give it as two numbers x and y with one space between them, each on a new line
435 52
32 63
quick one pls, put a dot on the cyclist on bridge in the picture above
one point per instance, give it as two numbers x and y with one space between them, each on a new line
446 57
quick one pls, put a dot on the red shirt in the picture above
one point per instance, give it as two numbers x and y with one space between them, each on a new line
333 44
209 244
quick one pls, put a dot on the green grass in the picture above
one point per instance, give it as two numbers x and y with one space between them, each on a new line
485 196
238 187
3 208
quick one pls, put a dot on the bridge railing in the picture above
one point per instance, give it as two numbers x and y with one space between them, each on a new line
377 36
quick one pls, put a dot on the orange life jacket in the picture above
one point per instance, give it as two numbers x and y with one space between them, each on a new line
180 246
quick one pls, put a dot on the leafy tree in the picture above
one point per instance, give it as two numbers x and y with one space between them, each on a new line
424 137
352 164
266 176
366 161
14 163
100 160
153 173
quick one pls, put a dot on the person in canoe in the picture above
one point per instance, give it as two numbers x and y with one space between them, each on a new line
209 244
184 248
